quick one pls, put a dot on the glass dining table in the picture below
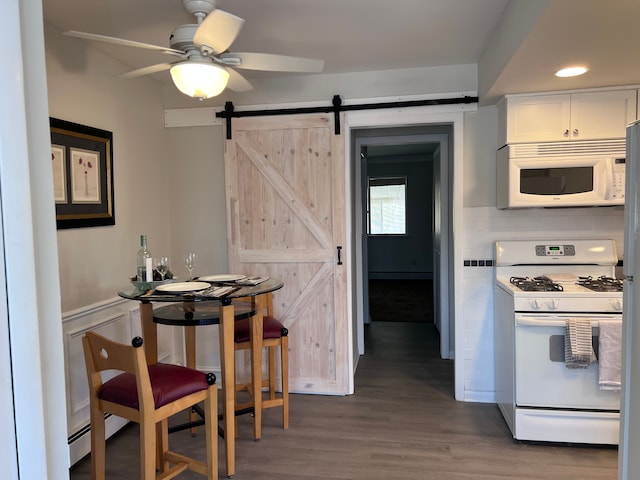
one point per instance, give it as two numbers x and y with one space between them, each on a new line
190 309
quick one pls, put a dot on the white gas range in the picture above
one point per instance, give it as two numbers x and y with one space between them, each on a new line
540 285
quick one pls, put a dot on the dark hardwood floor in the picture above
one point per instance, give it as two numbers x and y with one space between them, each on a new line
402 423
401 300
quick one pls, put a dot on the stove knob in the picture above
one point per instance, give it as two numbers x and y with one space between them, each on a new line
554 304
535 304
617 305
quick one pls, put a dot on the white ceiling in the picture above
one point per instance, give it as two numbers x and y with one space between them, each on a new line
369 35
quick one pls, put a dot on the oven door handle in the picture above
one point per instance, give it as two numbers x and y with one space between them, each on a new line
548 322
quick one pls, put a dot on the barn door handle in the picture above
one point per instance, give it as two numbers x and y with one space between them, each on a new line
339 255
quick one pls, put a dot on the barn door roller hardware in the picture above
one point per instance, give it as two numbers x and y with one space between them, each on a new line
336 107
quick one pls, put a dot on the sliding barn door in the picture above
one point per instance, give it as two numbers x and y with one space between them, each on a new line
285 180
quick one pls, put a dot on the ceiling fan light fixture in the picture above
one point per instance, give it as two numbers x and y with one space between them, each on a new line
198 79
571 71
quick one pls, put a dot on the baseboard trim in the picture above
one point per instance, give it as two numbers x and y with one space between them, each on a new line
479 397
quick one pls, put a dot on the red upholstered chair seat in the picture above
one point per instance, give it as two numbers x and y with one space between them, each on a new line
271 328
168 382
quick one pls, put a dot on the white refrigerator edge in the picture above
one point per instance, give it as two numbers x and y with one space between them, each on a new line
628 462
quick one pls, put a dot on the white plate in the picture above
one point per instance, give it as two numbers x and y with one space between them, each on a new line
225 277
180 287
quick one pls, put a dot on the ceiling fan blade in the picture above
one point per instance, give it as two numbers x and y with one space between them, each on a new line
147 70
237 82
218 31
273 63
123 42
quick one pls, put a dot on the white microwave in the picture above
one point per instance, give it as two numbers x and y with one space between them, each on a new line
561 174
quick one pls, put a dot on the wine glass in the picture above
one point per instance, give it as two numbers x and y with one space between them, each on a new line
162 266
190 263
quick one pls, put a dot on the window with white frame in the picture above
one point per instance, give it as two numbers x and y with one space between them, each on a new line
387 206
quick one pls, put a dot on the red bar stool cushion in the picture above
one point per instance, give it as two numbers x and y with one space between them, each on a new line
168 382
271 328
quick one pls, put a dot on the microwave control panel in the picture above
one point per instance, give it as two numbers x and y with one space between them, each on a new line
617 180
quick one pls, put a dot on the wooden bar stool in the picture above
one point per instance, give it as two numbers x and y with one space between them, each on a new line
147 395
274 335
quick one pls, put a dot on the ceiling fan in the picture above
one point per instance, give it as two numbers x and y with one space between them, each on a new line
205 67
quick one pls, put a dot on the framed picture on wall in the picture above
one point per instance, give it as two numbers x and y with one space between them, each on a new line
82 159
59 173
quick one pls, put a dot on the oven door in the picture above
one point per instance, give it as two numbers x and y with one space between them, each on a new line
542 379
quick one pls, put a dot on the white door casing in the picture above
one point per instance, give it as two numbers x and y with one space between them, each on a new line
445 114
439 212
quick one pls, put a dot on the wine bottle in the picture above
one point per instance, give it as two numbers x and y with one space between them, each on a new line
145 268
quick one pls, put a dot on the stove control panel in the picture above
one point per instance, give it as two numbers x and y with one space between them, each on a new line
555 250
601 303
551 251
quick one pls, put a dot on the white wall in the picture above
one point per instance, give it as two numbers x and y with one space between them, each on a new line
169 183
96 262
196 183
350 86
480 145
518 18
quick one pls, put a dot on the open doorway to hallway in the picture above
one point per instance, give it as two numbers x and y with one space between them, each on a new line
418 158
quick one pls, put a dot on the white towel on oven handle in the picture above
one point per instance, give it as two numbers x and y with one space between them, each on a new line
610 355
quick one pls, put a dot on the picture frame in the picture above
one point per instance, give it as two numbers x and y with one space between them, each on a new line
82 162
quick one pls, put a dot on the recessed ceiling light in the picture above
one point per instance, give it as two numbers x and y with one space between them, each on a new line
571 71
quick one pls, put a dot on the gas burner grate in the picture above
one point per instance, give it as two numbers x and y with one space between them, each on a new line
536 284
601 284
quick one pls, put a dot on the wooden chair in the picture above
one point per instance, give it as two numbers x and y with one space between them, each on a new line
274 335
147 395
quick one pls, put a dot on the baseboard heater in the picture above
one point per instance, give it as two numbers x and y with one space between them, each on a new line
80 441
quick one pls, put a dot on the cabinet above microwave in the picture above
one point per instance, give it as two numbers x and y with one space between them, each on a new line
561 117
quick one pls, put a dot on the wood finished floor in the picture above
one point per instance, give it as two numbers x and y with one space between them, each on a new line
402 423
401 300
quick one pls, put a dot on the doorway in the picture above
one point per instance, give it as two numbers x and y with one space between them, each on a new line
420 157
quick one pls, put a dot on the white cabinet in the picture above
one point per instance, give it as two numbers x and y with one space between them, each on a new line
566 116
602 114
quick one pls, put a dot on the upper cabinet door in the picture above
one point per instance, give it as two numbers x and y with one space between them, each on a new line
602 115
540 118
565 117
